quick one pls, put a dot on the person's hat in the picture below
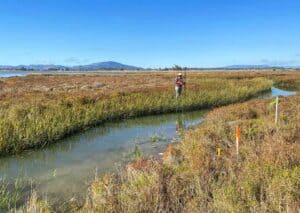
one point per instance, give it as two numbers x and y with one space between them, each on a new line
179 74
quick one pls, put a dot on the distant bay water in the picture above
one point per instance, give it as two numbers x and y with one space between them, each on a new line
6 74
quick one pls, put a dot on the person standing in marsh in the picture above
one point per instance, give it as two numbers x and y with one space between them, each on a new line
179 83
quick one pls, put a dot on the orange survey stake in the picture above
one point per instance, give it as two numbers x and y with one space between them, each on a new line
238 135
238 139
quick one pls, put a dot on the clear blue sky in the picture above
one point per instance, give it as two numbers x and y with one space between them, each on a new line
150 33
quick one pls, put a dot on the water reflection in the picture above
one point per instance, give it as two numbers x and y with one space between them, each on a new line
179 124
63 169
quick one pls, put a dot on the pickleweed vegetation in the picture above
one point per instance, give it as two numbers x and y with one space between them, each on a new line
39 114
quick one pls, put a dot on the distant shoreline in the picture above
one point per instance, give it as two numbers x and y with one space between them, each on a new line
103 71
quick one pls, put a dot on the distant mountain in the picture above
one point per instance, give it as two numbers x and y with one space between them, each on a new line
33 67
112 65
4 67
253 67
108 65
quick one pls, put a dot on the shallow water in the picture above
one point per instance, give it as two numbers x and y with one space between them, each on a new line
276 92
281 92
7 74
64 169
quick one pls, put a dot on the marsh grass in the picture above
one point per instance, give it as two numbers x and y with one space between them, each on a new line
157 137
264 178
39 121
13 193
190 177
136 154
33 205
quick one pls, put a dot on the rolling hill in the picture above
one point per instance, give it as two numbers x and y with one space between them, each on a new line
107 65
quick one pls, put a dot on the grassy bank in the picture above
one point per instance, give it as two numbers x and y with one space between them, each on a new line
192 178
13 193
37 110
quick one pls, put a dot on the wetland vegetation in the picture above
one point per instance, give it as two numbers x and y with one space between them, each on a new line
265 177
37 110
